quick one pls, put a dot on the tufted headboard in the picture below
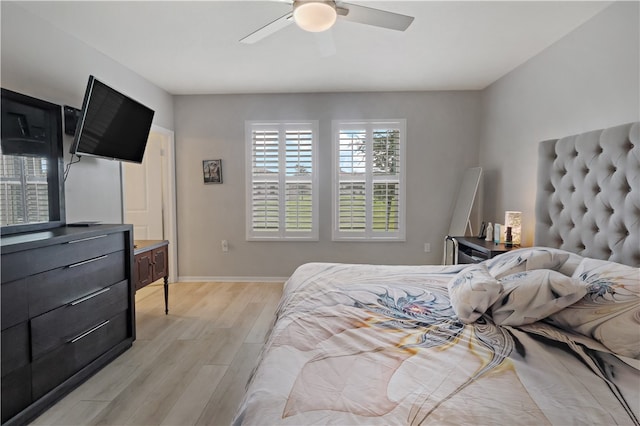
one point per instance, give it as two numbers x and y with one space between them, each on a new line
588 199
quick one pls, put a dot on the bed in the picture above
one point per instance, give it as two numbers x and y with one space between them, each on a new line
541 335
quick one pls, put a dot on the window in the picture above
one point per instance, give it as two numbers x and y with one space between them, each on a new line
282 195
368 181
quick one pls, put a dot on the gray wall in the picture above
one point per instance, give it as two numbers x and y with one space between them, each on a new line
442 137
587 80
44 62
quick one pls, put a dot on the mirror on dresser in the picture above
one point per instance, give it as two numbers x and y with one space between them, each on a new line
31 164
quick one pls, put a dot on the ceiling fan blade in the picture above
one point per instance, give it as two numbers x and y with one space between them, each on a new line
268 29
375 17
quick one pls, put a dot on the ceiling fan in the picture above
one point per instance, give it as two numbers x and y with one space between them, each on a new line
320 15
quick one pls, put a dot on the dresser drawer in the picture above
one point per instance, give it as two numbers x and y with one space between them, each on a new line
66 323
15 308
58 287
23 263
15 348
60 364
16 392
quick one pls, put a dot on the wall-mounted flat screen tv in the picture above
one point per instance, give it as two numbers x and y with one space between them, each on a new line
111 125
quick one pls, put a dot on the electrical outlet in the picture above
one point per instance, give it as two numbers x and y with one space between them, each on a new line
225 245
427 247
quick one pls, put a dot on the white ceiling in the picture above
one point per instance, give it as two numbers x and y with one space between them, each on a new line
191 47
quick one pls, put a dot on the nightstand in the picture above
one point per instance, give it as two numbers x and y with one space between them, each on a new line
475 250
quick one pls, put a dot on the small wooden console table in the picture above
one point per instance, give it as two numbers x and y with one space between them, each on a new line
151 258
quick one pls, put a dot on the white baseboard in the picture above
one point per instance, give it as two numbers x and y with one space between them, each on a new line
232 279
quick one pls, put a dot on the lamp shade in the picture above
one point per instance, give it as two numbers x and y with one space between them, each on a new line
314 16
514 220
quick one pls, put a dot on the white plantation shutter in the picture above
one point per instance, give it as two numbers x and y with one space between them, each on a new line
386 179
282 194
352 196
369 185
265 182
298 180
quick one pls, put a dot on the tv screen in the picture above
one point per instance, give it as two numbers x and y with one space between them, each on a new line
111 125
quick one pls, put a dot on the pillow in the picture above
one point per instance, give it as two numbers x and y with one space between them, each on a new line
533 295
527 259
610 311
472 291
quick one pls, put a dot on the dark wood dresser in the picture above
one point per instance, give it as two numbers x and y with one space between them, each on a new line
151 264
67 310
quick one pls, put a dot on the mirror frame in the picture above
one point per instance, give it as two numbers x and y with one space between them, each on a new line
55 174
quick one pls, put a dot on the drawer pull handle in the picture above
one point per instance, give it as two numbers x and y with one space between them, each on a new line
86 239
88 332
75 265
90 296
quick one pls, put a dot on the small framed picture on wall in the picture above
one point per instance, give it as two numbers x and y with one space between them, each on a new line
212 171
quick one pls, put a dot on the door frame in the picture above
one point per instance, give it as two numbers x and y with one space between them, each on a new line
169 221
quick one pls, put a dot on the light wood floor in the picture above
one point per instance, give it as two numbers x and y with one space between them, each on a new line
186 368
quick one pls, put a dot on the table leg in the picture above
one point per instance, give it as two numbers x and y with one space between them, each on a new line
166 295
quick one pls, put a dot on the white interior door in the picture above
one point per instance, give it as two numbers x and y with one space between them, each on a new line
143 191
149 194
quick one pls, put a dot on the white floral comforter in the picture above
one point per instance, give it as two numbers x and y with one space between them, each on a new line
360 344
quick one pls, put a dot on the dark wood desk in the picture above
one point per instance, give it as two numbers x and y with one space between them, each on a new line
475 250
151 264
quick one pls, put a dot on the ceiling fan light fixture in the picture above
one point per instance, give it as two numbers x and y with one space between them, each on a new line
314 15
